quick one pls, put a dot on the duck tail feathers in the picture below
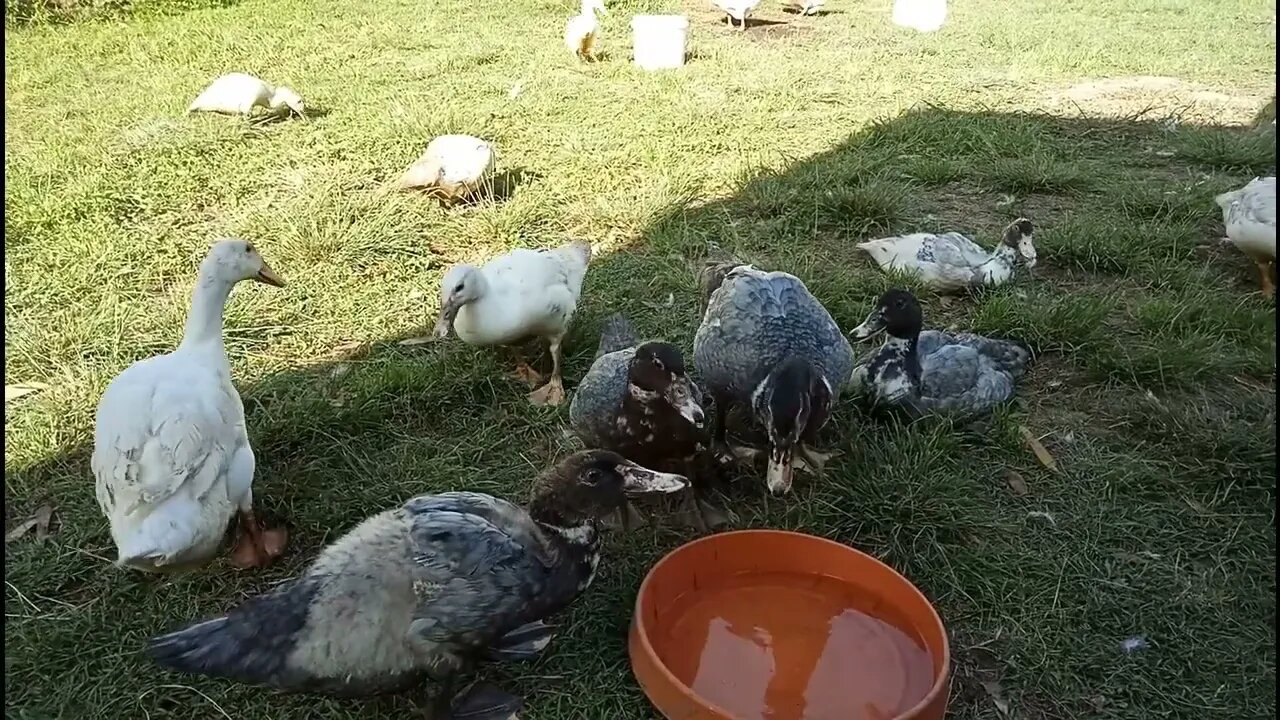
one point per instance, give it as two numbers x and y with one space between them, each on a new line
485 702
250 644
524 643
617 334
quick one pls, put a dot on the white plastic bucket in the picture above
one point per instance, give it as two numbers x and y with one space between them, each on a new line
922 15
660 40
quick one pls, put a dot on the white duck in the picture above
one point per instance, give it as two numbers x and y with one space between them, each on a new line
738 10
515 297
583 29
951 262
804 7
240 93
921 15
170 454
453 167
1249 215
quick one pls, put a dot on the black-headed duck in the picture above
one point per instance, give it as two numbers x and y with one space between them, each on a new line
425 591
766 343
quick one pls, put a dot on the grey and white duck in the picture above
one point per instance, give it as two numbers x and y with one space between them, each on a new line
951 262
767 344
638 400
931 372
425 591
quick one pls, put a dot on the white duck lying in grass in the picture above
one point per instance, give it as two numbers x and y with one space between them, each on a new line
952 262
451 168
583 29
516 297
932 372
170 454
1249 215
240 93
425 592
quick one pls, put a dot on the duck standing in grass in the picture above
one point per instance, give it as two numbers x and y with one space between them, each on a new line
738 10
452 168
240 93
951 262
171 457
766 343
933 372
512 298
638 400
1249 215
583 30
425 591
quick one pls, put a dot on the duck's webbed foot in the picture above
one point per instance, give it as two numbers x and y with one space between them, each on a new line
811 460
526 374
256 545
550 394
702 515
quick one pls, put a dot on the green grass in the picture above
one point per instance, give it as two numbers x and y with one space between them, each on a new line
1154 387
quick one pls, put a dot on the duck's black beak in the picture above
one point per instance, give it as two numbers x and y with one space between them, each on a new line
638 480
874 323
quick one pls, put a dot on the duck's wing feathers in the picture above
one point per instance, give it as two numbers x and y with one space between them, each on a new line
754 320
480 564
1003 354
956 380
155 436
955 250
617 334
593 411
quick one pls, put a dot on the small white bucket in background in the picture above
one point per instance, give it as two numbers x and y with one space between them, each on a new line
660 40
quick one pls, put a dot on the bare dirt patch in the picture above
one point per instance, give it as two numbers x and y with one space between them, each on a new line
1157 96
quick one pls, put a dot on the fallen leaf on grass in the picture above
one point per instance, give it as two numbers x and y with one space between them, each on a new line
1015 482
38 522
1040 452
1044 516
417 341
995 691
13 392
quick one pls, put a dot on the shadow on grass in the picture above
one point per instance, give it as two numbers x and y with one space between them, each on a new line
1156 492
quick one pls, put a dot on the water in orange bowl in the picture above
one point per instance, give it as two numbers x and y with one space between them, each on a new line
794 647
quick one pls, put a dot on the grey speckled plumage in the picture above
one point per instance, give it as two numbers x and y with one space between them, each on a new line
933 372
753 321
414 592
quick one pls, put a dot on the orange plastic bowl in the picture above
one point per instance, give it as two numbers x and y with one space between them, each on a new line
774 625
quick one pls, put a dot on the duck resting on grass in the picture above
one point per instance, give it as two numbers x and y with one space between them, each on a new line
240 93
452 168
739 10
171 457
517 296
637 399
583 29
932 372
951 262
424 592
1249 215
767 344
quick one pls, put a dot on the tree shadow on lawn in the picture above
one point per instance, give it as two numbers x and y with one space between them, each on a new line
368 427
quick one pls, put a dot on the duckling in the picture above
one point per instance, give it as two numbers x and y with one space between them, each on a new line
451 168
765 342
514 297
932 372
425 591
638 400
951 262
738 10
1249 215
171 458
583 29
239 93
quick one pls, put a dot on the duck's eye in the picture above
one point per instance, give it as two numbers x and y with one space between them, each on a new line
458 288
592 477
248 248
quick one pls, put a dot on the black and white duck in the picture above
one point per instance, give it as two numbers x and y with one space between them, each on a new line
638 400
425 591
767 344
933 372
